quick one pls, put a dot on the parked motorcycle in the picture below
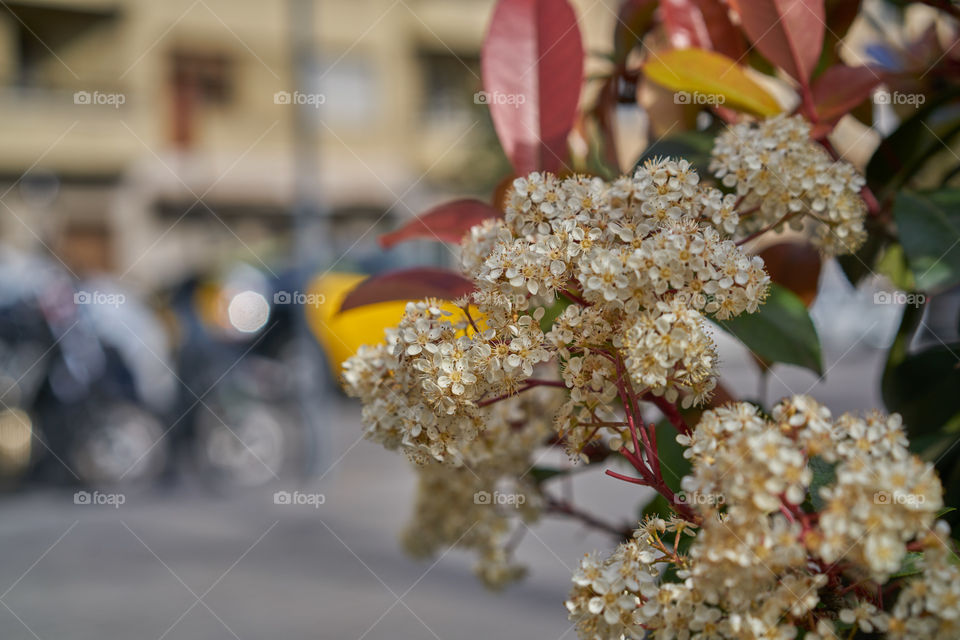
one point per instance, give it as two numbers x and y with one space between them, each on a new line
74 402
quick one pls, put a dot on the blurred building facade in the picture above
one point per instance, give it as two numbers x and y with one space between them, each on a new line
146 138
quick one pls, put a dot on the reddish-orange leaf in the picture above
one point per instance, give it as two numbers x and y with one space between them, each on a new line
796 266
408 284
532 62
841 88
447 222
789 33
704 24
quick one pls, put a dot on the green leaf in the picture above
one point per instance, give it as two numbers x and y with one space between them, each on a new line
910 565
694 146
634 21
948 466
824 474
859 265
893 264
658 506
673 466
922 387
918 139
542 474
929 227
780 331
553 312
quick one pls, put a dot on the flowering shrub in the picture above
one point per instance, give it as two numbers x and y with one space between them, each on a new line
775 549
781 176
642 261
585 305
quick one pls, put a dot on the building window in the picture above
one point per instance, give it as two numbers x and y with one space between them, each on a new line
197 80
43 37
448 86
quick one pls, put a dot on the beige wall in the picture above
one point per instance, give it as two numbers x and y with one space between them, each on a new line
375 142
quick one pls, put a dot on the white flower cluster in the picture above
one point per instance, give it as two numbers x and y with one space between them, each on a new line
623 246
929 606
418 394
794 525
421 389
641 261
476 507
804 524
609 594
780 175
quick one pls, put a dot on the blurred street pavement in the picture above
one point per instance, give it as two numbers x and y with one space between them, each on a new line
195 564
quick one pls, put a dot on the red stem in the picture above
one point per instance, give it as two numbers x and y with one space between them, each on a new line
660 487
640 466
576 298
530 384
538 382
653 444
669 410
619 476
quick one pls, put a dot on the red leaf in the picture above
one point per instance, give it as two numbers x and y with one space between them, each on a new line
446 222
704 24
796 266
789 33
408 284
532 63
841 88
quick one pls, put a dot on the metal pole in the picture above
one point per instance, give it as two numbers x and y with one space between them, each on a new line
311 229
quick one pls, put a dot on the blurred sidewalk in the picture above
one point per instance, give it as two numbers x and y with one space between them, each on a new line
196 565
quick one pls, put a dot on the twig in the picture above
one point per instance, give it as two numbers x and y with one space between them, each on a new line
769 227
530 384
558 507
576 298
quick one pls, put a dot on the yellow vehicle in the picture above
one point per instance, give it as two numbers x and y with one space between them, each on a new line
341 334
